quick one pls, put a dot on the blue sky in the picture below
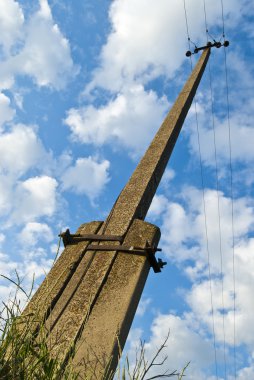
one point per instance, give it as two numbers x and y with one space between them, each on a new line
83 88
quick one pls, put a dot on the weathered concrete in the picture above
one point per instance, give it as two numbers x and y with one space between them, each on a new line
60 274
91 297
115 306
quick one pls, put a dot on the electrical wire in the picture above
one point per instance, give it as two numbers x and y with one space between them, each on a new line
232 210
204 207
222 17
206 27
219 223
206 24
231 188
218 199
207 242
186 23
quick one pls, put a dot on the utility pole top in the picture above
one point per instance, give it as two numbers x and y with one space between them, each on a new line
209 45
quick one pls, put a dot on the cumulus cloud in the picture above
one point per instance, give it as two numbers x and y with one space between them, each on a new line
246 372
184 241
6 112
241 134
11 22
21 149
147 32
216 129
7 265
140 30
88 176
6 188
183 346
157 207
187 343
33 232
43 53
142 307
186 222
188 241
135 112
37 267
35 197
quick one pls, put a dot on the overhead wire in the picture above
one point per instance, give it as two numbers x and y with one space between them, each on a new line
217 185
219 225
222 18
218 198
204 206
231 188
232 210
207 242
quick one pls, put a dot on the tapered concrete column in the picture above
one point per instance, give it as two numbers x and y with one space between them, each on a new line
93 300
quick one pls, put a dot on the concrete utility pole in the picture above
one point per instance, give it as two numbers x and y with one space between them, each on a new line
90 296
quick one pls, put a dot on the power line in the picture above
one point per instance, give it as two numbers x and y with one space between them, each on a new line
187 28
232 209
218 201
231 188
186 22
207 243
204 208
219 224
222 17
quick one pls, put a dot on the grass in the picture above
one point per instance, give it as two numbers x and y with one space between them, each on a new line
26 356
22 355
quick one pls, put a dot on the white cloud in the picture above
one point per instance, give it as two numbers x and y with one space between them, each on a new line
6 112
6 193
44 11
241 136
33 232
44 53
88 176
184 241
153 35
245 373
184 345
142 307
2 238
140 30
7 266
34 269
186 224
20 150
167 177
35 197
158 206
241 107
131 119
11 22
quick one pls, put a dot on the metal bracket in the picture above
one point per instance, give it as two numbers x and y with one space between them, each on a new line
148 251
207 46
69 238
